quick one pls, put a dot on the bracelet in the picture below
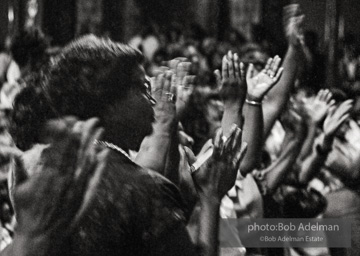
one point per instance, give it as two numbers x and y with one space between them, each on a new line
252 102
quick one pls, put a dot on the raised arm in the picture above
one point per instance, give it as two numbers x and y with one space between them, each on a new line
277 98
213 180
315 112
53 201
232 86
323 146
276 172
257 87
154 148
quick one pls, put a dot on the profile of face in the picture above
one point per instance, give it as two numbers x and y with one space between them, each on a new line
129 120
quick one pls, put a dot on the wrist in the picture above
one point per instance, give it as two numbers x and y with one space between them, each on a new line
233 106
250 97
213 200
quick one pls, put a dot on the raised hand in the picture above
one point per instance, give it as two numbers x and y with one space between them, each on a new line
164 93
231 82
293 20
184 87
258 85
316 109
336 117
217 175
53 201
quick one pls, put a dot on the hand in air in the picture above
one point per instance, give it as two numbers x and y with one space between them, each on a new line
258 85
231 82
53 201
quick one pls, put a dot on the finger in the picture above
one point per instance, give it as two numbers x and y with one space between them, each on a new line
328 96
239 156
224 71
173 65
189 155
278 76
166 87
237 139
237 67
159 82
332 103
230 64
228 142
173 85
183 69
275 65
250 72
218 143
268 65
342 120
319 95
242 71
218 78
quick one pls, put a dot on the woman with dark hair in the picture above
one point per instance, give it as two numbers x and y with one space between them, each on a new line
135 211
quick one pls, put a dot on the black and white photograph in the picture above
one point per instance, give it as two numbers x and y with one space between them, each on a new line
179 127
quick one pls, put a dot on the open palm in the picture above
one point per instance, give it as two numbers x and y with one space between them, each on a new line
260 84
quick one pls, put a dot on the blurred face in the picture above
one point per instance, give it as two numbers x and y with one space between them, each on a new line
257 58
130 119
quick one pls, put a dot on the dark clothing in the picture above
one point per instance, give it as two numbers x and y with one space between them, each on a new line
133 212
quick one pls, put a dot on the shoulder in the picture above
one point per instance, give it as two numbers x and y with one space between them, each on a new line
142 195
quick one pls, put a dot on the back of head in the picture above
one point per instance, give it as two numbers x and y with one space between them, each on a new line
86 77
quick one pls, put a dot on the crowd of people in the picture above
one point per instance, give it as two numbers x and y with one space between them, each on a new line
141 149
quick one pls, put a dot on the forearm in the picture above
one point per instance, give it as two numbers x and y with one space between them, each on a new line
232 115
315 161
252 135
277 171
154 149
279 95
172 159
309 142
208 227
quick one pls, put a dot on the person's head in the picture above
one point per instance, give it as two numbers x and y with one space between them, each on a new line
28 49
253 53
91 77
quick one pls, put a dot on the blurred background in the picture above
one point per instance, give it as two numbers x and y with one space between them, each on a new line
330 23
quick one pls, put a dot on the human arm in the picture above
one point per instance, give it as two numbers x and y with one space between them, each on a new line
232 88
315 111
273 175
333 121
278 96
212 180
257 87
53 201
154 148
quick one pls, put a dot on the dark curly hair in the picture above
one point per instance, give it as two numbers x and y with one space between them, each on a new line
86 77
